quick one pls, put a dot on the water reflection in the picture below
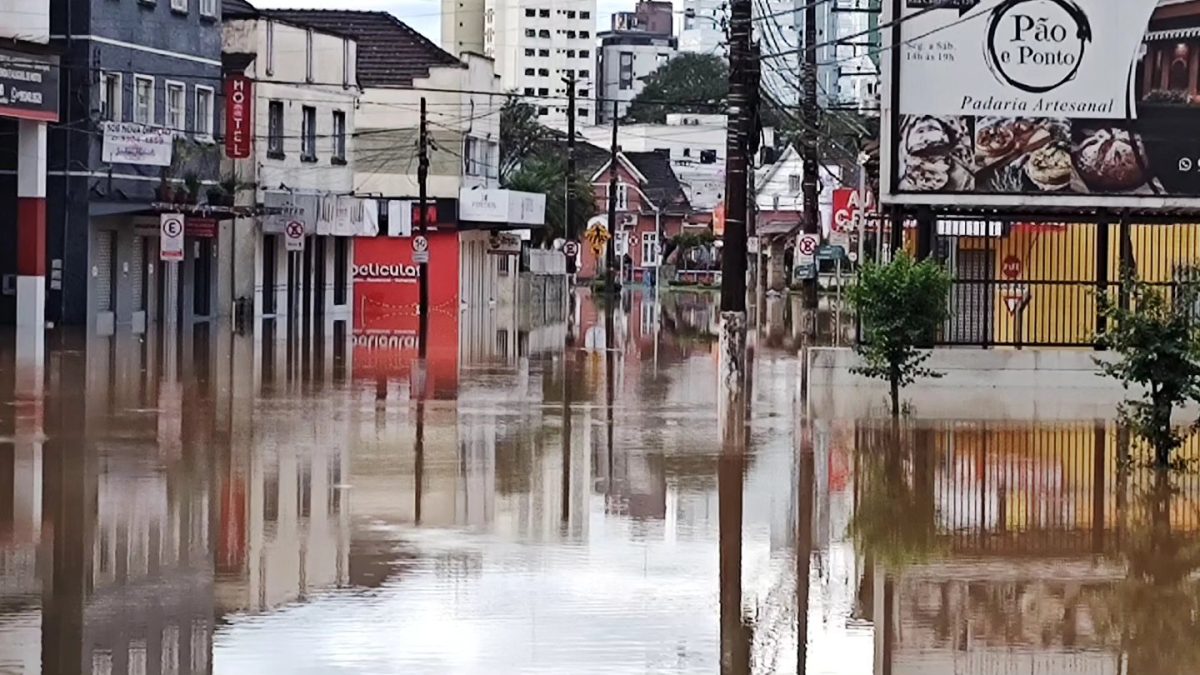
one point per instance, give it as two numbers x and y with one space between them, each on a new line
214 502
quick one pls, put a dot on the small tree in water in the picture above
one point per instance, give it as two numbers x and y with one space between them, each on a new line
1157 341
901 306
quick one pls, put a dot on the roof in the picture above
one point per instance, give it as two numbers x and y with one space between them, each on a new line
390 53
662 185
237 9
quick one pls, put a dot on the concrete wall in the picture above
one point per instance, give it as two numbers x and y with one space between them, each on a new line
1032 384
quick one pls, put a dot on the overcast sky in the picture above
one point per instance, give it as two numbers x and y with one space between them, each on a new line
425 15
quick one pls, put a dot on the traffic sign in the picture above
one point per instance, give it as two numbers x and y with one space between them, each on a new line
170 246
571 249
803 271
830 252
420 244
1016 297
420 257
1012 267
806 249
294 234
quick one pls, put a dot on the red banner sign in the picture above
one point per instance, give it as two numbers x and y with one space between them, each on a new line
239 116
849 209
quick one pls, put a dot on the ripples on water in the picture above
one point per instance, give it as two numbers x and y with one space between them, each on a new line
267 507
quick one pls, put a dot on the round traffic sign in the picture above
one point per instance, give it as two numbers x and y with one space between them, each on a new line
571 249
172 226
808 244
1011 267
294 229
420 244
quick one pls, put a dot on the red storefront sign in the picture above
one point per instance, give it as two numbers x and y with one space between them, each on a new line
200 228
849 208
239 116
386 317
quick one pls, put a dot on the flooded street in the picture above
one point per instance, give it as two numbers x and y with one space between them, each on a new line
285 504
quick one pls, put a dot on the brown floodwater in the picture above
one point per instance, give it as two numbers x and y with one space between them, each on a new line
290 503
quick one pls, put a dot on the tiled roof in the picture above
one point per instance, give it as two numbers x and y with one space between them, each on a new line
237 9
662 185
390 54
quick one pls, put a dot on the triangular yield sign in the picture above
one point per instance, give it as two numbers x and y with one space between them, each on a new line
1013 302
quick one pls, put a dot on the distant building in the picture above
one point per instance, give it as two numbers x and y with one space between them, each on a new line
639 43
535 43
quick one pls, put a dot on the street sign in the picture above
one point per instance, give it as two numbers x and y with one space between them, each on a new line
597 236
804 271
171 232
830 252
841 239
1012 267
571 249
806 249
1016 297
420 244
752 245
293 232
420 257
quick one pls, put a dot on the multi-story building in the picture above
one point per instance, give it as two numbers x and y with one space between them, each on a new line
297 169
639 43
139 104
29 91
536 45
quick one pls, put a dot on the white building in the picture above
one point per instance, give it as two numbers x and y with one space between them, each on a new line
302 143
536 44
629 53
703 27
696 145
778 187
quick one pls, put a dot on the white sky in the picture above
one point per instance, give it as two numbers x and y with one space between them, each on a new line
425 15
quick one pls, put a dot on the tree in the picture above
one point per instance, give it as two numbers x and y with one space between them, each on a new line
688 83
1157 342
547 174
901 306
521 135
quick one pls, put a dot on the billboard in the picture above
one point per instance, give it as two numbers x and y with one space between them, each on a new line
1045 103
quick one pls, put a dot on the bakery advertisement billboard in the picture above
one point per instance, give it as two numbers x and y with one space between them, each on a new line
1043 103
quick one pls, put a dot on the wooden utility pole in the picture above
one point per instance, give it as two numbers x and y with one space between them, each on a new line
422 229
610 256
808 144
569 232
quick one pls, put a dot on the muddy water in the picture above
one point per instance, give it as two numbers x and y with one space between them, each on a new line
277 504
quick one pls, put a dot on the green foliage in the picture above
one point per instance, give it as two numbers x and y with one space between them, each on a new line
688 240
521 135
901 306
688 83
548 175
1157 340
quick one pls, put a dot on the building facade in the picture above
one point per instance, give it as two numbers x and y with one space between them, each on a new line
639 43
298 169
140 99
536 45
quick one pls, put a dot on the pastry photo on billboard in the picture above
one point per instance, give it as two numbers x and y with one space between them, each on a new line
936 154
1095 103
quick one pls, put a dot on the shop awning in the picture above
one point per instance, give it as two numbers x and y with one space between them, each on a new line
1173 34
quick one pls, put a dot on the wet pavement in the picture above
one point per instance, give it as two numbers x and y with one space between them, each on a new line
284 503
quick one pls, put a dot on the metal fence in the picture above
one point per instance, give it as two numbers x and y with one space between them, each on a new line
1041 284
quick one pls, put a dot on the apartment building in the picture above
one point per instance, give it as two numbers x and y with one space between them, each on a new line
536 45
639 43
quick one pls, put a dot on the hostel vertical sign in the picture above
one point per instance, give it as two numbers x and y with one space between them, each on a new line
239 116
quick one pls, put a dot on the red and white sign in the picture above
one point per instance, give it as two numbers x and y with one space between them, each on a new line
170 245
239 116
201 228
807 244
849 209
1016 297
1012 267
293 232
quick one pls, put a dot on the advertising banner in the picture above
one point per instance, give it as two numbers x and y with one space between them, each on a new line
1063 103
239 117
501 206
28 86
132 143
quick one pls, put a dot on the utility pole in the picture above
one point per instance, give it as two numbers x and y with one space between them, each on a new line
422 229
568 361
610 253
569 227
808 144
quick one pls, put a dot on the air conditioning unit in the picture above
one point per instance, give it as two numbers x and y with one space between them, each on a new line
628 219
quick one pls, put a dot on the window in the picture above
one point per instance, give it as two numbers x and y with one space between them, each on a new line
110 98
569 72
544 72
583 112
179 6
529 32
708 156
570 53
529 91
529 52
543 111
543 91
143 99
543 52
544 13
570 14
687 152
339 137
584 54
585 74
176 106
544 33
626 71
585 34
529 72
347 60
308 135
650 249
275 129
530 12
308 55
585 15
622 197
208 8
570 35
204 111
794 182
270 47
